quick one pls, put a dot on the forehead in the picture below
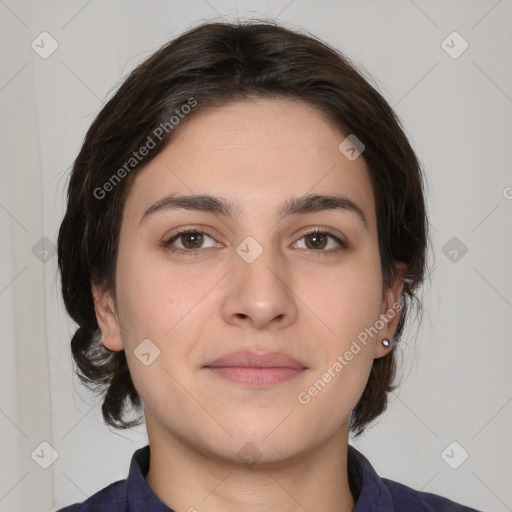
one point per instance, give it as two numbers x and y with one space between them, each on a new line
256 154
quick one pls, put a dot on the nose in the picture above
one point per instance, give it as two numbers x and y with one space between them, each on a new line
260 293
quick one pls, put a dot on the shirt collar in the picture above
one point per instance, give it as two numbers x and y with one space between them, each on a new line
139 495
364 481
370 491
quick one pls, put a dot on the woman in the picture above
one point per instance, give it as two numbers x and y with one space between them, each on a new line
245 233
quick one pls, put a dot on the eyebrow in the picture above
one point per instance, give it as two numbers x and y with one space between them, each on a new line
220 206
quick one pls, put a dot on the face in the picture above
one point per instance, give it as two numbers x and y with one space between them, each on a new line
258 280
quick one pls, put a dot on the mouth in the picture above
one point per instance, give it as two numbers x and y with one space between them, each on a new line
256 370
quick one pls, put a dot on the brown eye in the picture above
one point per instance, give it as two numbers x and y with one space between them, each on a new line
318 241
191 241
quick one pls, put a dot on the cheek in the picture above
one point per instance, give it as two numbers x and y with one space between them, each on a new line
162 306
352 297
348 351
151 300
153 308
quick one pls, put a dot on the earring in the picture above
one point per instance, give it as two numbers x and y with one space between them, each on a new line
386 342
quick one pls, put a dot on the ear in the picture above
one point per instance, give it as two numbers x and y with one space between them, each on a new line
390 312
107 318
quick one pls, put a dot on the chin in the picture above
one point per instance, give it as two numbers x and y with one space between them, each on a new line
264 443
260 452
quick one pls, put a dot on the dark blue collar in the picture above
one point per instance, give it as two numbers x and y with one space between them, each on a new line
366 485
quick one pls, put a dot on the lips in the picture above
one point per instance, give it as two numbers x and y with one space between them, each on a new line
256 370
248 359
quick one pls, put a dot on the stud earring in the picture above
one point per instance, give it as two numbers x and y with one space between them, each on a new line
386 342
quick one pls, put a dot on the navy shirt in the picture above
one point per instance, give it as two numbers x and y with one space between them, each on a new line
372 493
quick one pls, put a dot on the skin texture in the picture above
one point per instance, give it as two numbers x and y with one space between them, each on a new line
307 302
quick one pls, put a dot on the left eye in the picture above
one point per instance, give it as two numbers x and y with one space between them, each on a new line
320 239
192 240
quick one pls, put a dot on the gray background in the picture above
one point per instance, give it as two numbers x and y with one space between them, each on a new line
456 384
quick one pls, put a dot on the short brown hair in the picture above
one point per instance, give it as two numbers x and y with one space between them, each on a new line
215 63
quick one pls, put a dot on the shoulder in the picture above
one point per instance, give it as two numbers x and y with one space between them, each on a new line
392 496
110 498
408 499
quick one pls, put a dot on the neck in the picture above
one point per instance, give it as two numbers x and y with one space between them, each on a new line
188 479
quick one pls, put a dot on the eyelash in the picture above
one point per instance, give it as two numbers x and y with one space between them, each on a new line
196 252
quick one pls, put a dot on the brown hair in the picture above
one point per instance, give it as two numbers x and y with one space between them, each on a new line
209 65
